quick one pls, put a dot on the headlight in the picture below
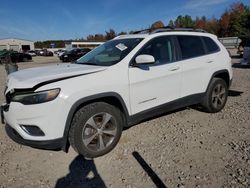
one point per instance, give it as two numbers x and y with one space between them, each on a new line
36 97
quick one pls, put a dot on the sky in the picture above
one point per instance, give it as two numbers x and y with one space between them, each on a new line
71 19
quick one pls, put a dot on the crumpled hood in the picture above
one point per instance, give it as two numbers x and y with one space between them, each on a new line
28 78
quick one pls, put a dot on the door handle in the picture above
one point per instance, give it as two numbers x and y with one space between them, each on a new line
174 68
211 61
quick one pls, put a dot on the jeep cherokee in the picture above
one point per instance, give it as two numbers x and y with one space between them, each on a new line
86 104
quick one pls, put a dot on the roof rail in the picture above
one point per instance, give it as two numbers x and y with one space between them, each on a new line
167 29
144 31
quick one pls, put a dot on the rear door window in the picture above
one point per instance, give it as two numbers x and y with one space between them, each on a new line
191 46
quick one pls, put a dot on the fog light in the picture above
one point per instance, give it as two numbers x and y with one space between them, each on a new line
32 130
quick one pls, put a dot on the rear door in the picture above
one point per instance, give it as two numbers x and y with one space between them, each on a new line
158 83
194 65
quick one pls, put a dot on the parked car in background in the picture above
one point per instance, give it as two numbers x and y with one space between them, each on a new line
245 50
59 54
2 52
3 55
37 52
59 51
15 56
41 52
74 54
46 52
31 52
22 57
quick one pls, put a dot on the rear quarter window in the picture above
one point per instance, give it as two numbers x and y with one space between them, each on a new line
191 46
211 46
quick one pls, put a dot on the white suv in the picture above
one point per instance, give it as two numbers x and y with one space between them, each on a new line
86 104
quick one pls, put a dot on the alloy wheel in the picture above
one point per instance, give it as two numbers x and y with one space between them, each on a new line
218 96
99 131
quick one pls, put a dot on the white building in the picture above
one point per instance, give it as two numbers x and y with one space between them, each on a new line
16 44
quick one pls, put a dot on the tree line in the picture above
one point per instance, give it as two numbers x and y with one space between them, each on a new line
235 21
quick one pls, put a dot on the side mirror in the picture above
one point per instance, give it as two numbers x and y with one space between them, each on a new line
145 59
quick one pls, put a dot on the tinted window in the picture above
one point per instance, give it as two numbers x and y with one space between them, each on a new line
210 45
191 46
161 49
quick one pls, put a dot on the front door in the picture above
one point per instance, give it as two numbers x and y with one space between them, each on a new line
157 83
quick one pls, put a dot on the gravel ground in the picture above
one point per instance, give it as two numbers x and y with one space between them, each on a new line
186 148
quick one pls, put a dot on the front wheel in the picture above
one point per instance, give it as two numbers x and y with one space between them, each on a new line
216 96
96 129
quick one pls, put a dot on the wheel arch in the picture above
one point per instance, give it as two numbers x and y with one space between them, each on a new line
223 74
109 97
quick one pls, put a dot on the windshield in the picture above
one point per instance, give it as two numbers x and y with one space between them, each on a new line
110 52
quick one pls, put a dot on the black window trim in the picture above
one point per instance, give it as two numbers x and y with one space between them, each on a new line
175 52
177 48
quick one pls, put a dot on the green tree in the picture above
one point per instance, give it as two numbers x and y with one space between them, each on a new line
240 19
235 21
122 33
243 26
90 38
184 21
110 34
212 26
171 23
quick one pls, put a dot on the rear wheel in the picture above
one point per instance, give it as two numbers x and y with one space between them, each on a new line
216 96
96 129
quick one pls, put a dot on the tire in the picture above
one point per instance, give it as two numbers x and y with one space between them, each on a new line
25 59
216 96
96 129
